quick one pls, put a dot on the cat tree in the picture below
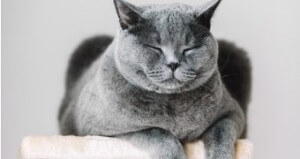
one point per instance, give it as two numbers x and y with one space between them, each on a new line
95 147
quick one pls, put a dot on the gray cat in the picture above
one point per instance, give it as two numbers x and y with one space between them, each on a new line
162 81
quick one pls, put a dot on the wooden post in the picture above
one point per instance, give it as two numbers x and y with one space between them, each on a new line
95 147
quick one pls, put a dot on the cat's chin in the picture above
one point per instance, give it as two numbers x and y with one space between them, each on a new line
169 86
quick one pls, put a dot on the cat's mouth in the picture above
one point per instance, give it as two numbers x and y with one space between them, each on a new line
167 80
171 80
170 83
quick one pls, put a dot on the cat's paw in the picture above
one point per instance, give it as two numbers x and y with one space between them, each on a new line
167 145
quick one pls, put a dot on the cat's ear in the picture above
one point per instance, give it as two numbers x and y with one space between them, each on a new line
207 13
128 14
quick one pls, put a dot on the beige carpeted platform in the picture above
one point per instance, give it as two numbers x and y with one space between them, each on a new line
95 147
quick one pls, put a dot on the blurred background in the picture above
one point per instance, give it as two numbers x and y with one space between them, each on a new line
38 37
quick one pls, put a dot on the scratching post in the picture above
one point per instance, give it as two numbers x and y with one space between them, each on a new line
95 147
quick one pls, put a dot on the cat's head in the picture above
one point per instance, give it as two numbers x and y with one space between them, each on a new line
166 48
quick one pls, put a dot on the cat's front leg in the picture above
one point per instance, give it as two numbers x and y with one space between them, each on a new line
159 143
220 139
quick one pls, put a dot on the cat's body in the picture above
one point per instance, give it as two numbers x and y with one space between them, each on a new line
103 98
144 104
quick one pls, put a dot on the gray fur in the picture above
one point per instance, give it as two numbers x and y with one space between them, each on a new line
131 92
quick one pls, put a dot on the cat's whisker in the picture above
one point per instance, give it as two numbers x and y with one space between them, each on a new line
153 76
154 72
157 77
189 73
189 76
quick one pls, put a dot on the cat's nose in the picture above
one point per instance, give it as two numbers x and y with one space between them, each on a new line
173 65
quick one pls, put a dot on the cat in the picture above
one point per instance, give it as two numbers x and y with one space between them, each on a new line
163 81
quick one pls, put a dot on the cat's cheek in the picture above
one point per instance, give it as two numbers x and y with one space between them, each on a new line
193 62
152 60
200 60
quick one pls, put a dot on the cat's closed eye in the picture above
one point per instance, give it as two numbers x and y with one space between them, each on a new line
154 48
189 50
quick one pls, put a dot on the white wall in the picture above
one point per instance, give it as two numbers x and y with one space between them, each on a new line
38 37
